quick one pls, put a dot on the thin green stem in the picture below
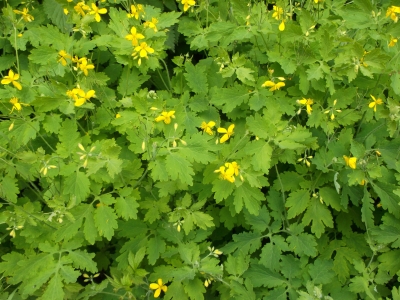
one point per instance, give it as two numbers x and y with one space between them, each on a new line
16 48
168 76
283 196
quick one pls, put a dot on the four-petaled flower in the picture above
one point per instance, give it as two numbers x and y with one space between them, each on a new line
135 11
166 117
227 133
350 161
84 66
142 49
278 12
97 12
25 16
83 97
63 57
12 78
375 102
307 103
158 287
207 127
16 104
187 4
151 24
134 36
392 42
274 86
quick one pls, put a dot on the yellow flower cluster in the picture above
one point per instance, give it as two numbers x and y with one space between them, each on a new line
79 96
274 86
136 11
229 171
16 104
350 161
82 64
392 12
307 103
166 117
207 127
82 9
187 4
25 15
278 15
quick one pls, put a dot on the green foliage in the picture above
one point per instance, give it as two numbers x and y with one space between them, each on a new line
207 150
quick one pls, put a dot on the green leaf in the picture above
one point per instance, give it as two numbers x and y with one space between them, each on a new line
54 289
130 81
261 153
77 185
237 264
179 168
197 148
245 241
156 246
195 289
105 221
244 74
196 78
9 189
258 222
321 271
55 13
389 200
127 207
249 197
68 137
303 243
367 210
229 98
44 55
360 285
319 215
83 260
297 202
261 276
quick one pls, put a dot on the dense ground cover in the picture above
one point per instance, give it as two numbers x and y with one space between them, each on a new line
200 149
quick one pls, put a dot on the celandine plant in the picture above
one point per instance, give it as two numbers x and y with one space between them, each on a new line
200 149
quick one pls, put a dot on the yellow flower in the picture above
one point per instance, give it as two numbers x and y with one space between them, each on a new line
158 287
392 11
143 49
350 161
187 4
226 175
282 26
63 57
307 103
66 12
207 127
135 11
83 97
16 104
228 133
12 78
117 116
375 102
134 36
25 16
318 1
151 24
392 42
80 8
235 167
166 117
84 66
273 86
97 12
46 168
278 12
